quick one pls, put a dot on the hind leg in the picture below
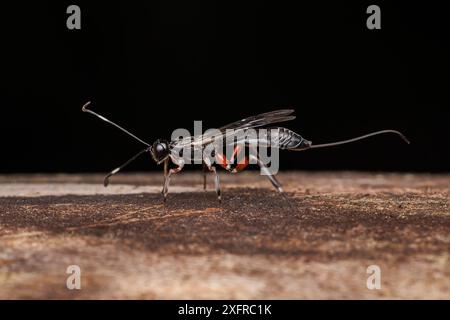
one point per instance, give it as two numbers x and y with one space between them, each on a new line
266 171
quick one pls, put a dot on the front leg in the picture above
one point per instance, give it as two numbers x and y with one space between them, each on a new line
167 173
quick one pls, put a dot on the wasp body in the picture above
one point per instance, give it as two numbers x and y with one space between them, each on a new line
164 152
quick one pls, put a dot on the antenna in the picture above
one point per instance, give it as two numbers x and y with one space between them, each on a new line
85 109
106 180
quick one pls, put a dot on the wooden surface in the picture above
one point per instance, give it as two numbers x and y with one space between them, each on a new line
316 242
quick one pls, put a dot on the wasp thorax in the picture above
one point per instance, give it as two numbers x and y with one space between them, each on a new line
160 150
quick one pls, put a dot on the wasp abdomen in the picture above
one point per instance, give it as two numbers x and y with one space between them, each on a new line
288 139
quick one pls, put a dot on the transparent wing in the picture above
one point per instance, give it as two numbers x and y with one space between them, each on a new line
259 120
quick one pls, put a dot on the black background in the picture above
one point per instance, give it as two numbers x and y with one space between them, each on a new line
154 66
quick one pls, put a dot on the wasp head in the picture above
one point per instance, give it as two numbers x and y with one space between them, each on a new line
160 151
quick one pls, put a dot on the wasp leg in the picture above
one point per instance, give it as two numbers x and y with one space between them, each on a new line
267 173
167 174
205 169
211 168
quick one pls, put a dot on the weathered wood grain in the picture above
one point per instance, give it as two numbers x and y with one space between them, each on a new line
315 243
